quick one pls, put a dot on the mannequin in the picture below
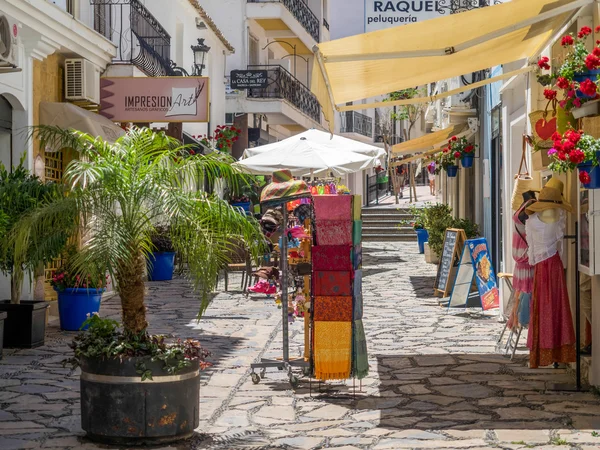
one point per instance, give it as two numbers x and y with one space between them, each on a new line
551 338
523 271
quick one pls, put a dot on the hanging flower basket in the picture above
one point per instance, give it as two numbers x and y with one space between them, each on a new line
467 161
589 175
587 78
452 171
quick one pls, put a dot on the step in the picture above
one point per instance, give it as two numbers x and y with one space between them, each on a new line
388 238
374 210
386 216
385 223
389 230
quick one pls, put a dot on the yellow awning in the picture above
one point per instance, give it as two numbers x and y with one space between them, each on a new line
429 141
380 62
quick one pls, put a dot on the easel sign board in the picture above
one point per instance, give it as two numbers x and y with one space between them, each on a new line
453 243
476 263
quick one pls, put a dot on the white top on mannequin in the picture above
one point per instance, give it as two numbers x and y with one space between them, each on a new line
545 233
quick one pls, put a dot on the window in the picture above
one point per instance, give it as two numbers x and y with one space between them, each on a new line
103 20
67 5
254 51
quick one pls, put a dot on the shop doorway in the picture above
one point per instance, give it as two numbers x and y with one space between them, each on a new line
497 194
6 130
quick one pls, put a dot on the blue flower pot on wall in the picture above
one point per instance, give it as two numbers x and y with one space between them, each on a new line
467 161
161 266
422 237
452 171
244 205
74 305
579 78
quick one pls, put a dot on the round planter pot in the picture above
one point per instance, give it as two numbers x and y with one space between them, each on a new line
594 173
74 305
161 266
422 237
579 78
452 171
467 161
117 407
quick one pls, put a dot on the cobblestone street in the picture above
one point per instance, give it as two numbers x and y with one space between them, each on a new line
435 381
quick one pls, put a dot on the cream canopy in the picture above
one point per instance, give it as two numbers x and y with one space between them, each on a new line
429 141
380 62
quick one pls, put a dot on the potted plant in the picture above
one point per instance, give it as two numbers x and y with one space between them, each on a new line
161 262
222 138
118 192
576 78
447 161
418 224
462 150
574 149
20 194
79 295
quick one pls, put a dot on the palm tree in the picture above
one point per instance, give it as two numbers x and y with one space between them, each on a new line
120 193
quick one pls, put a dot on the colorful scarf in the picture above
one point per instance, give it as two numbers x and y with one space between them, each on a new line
333 309
334 232
357 256
357 232
358 307
333 207
360 361
357 207
332 283
332 350
332 257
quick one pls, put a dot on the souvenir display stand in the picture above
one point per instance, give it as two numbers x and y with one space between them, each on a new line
338 347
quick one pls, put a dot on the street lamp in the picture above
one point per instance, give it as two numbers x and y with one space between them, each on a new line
200 52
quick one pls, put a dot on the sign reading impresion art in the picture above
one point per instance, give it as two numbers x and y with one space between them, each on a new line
154 99
380 14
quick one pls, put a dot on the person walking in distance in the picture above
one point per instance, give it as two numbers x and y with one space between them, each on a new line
431 173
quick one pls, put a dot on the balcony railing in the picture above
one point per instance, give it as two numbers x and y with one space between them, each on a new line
354 122
140 38
301 12
326 24
284 85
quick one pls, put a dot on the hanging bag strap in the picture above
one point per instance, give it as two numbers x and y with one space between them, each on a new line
523 158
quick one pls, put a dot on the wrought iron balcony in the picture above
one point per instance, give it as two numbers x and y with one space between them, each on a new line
284 85
301 12
355 122
141 39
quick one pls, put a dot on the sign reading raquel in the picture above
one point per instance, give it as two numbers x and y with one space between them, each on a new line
157 99
387 13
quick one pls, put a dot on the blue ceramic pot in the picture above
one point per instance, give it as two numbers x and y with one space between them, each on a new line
579 78
161 266
467 161
245 206
452 171
74 305
422 237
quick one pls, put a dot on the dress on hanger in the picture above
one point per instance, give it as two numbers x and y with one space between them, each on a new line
551 337
522 280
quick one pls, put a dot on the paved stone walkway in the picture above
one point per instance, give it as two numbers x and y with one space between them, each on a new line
435 381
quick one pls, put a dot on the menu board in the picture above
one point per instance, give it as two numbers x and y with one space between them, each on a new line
453 243
464 281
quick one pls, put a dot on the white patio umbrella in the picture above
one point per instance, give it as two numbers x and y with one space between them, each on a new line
304 159
323 139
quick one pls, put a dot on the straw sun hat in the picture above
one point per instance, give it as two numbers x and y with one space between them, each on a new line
551 196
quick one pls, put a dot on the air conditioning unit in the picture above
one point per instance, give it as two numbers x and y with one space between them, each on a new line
82 81
9 31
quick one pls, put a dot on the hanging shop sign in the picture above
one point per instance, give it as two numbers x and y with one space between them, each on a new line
249 79
391 13
454 240
476 264
154 99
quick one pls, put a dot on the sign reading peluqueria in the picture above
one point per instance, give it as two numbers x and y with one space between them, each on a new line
155 99
380 14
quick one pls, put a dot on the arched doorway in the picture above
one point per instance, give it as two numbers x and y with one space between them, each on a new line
6 131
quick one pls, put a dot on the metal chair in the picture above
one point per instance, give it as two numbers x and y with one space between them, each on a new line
239 263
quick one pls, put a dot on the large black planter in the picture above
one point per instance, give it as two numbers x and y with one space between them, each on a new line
2 317
117 407
25 325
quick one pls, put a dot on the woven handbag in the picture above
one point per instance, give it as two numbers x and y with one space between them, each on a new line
523 181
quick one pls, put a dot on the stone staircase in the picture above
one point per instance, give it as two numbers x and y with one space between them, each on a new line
382 224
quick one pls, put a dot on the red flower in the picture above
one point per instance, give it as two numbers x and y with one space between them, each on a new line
588 87
596 51
446 150
584 177
592 61
556 136
585 31
567 40
543 63
469 149
192 152
597 30
573 136
568 146
454 139
550 94
457 154
562 83
577 156
561 155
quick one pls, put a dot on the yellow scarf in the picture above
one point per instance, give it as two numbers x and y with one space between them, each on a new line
333 350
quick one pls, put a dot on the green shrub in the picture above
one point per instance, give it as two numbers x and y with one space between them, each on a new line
436 218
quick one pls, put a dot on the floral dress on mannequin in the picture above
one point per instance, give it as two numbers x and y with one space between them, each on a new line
551 338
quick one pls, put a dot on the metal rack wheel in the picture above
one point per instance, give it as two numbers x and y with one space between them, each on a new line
306 371
263 372
255 378
293 381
